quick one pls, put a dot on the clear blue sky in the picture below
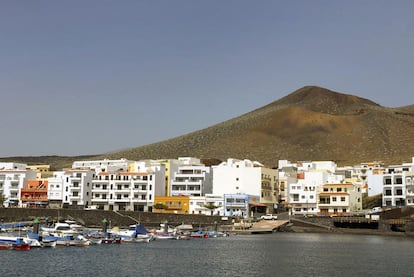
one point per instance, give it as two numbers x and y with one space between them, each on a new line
94 76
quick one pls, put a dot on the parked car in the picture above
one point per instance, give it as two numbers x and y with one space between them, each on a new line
269 217
376 210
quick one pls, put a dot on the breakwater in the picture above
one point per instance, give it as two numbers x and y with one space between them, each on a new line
94 218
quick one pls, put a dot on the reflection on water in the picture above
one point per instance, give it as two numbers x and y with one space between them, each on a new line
278 254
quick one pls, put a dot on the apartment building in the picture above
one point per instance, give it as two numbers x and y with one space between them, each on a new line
55 189
191 178
247 177
409 183
301 189
124 191
35 193
339 199
104 165
13 177
207 205
77 186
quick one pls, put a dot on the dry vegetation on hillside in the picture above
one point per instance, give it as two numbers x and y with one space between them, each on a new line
311 123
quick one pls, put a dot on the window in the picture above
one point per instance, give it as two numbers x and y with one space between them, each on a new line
398 180
343 199
334 199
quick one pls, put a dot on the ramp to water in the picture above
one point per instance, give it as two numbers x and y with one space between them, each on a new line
264 226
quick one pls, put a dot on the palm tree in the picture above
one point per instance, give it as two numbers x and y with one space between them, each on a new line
211 206
160 206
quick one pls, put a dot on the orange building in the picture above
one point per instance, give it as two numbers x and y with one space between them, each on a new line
171 204
34 193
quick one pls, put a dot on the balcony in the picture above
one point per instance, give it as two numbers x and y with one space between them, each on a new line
36 199
99 200
189 175
100 190
122 190
324 201
121 200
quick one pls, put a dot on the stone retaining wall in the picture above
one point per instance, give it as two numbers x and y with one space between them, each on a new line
94 218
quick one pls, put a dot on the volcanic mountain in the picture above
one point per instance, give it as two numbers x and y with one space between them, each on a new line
311 123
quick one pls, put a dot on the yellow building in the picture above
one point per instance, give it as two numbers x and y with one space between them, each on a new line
171 204
42 170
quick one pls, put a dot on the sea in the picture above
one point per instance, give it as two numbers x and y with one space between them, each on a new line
276 254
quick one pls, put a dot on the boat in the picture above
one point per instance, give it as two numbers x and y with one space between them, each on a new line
45 241
199 234
60 228
135 233
48 243
164 236
111 241
74 226
21 244
5 246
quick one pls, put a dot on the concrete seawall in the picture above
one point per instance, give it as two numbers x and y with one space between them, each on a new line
94 218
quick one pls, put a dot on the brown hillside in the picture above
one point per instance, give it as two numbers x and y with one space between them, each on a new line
311 123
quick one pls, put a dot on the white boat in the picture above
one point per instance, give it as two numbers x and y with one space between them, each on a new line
135 233
48 243
59 227
16 240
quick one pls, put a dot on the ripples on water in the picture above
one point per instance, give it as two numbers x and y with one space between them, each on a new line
278 254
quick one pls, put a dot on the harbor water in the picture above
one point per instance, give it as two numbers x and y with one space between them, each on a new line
277 254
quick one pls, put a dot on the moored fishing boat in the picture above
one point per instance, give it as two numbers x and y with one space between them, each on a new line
20 244
5 246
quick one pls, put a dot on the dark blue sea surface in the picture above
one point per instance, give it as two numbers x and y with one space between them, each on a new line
277 254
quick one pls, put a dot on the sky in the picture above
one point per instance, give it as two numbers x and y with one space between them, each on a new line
80 77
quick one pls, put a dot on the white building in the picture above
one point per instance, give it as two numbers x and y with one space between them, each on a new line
204 204
246 177
191 178
339 199
104 165
77 185
301 190
13 177
120 191
55 189
409 183
394 189
396 192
